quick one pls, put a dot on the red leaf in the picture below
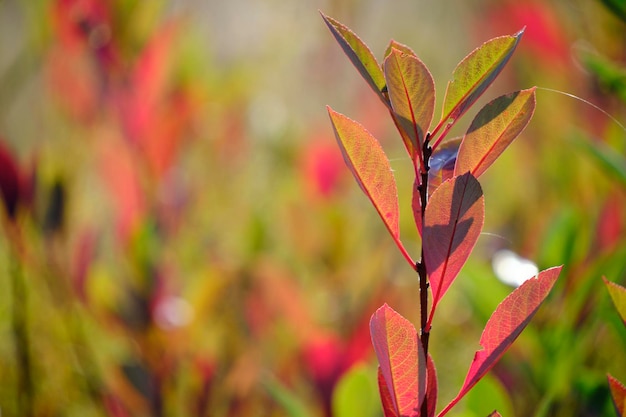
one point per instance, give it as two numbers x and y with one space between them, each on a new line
368 163
494 413
505 324
431 386
385 396
452 223
618 391
402 362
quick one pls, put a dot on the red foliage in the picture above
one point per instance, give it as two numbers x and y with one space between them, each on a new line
322 167
544 38
11 182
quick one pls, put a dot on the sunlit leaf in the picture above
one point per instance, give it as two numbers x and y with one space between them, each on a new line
505 325
359 54
474 74
367 161
618 295
400 47
618 392
452 223
495 126
411 91
401 359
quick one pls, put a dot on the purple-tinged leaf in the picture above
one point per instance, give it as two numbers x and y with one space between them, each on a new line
493 129
368 163
359 54
494 413
505 325
402 362
618 393
411 92
442 163
618 295
472 76
452 223
416 205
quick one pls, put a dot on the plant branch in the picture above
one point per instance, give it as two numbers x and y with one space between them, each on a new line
421 265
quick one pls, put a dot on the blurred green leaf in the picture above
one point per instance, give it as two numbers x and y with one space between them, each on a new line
618 7
611 162
356 394
291 403
609 75
618 295
488 395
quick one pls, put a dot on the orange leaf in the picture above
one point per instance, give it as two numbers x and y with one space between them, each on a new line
368 163
495 126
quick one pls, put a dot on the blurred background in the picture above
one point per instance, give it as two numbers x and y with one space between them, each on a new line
181 236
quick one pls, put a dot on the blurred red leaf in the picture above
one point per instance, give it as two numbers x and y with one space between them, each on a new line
368 163
10 181
618 392
545 36
401 359
452 224
118 168
494 414
322 166
610 227
83 255
505 325
493 129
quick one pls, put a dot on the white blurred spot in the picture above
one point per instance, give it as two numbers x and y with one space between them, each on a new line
173 312
267 116
511 268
